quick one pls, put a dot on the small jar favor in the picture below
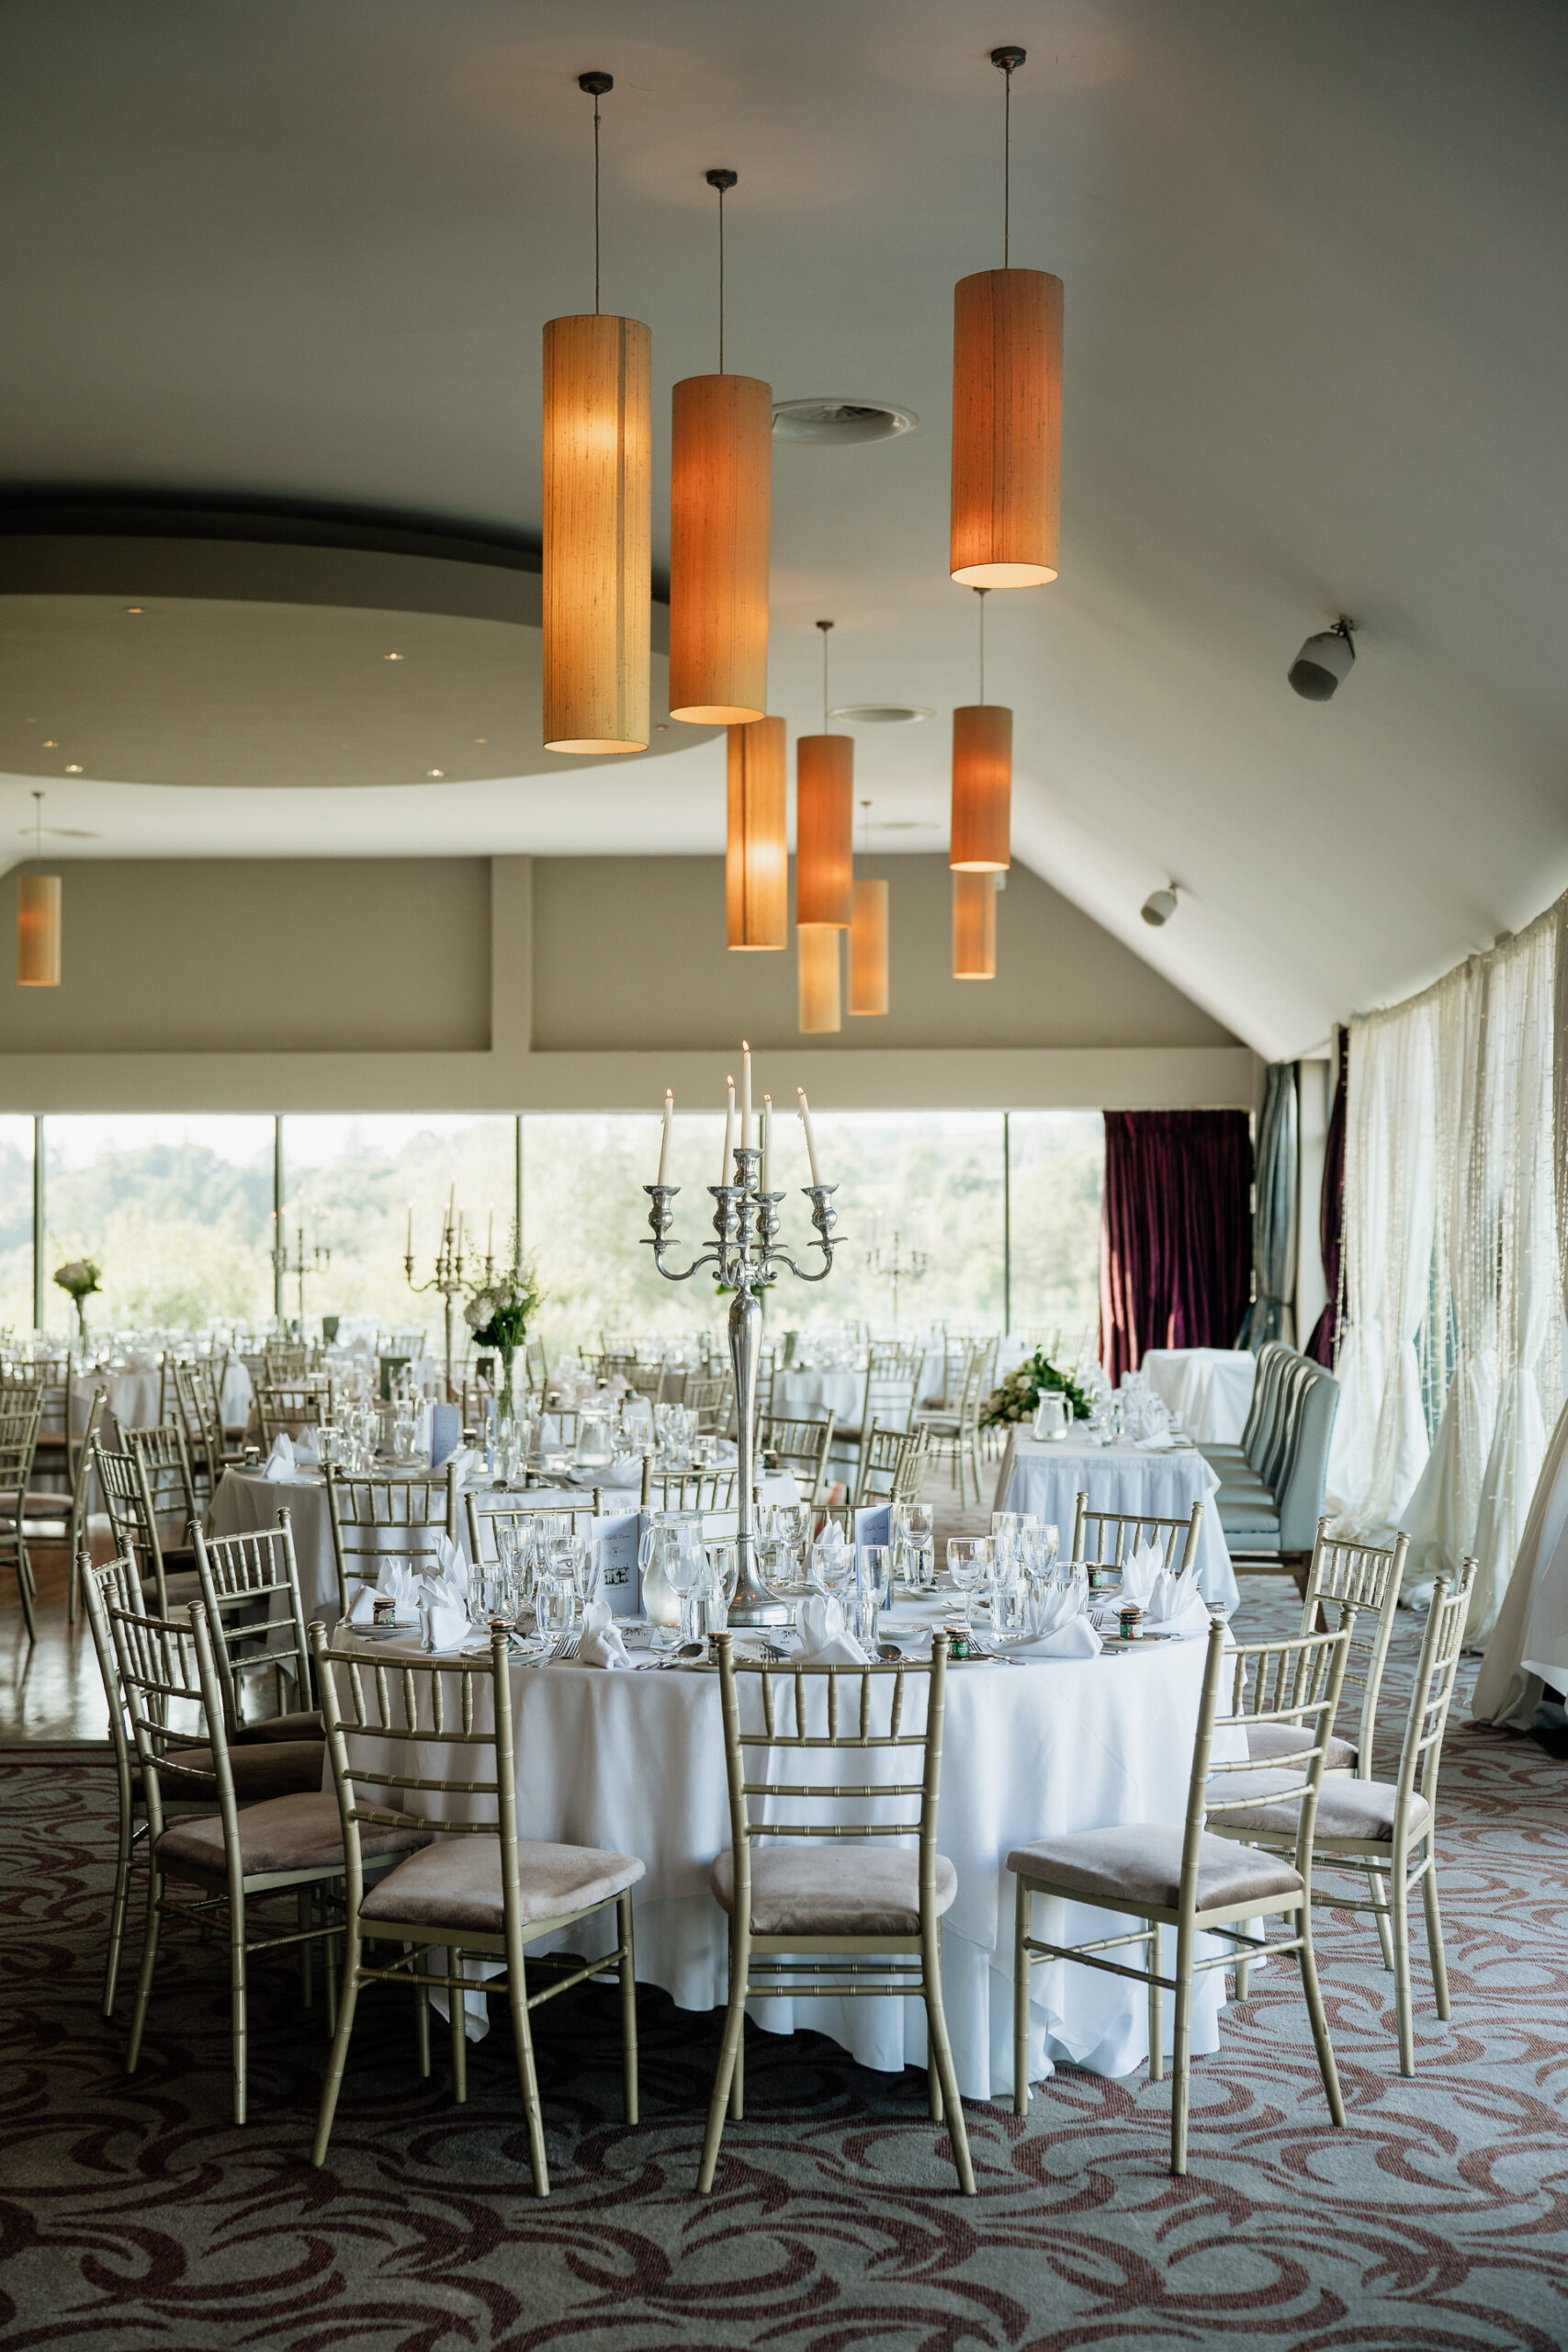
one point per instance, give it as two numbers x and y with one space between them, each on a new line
957 1641
383 1609
1130 1622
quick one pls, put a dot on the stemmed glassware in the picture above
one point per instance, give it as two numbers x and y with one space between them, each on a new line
969 1564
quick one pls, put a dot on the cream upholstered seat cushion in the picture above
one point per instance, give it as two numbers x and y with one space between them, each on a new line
1265 1741
456 1883
182 1587
297 1833
1345 1808
306 1725
803 1890
279 1768
1139 1863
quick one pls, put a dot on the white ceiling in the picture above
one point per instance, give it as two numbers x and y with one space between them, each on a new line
1316 359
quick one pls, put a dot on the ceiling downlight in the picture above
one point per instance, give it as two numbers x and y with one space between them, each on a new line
828 421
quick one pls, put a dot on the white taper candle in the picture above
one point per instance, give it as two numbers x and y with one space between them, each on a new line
664 1143
728 1134
811 1139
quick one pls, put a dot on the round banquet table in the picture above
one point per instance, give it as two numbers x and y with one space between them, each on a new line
634 1763
1045 1475
812 1396
1208 1389
132 1398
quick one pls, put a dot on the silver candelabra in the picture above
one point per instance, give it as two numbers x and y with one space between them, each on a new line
890 1266
316 1263
745 1258
447 1280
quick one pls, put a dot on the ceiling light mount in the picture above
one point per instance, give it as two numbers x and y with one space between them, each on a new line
1159 906
828 421
1324 662
1008 57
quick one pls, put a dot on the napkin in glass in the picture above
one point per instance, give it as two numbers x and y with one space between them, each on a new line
1176 1605
823 1639
830 1557
1139 1573
443 1628
396 1583
449 1588
601 1644
281 1463
1057 1626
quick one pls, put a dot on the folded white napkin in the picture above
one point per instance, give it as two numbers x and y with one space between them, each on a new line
466 1462
1076 1638
448 1586
1057 1626
829 1556
1140 1572
1176 1605
281 1464
443 1628
626 1472
823 1638
396 1583
306 1448
723 1453
601 1644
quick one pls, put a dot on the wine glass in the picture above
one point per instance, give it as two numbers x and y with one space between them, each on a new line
969 1564
685 1565
922 1537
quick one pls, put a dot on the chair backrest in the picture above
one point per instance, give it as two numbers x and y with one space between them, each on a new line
535 1363
1361 1580
21 1413
891 1380
250 1588
1107 1538
375 1520
133 1524
1295 1685
711 1398
285 1361
485 1521
647 1380
1300 1495
691 1490
397 1711
295 1407
1263 1385
814 1726
168 1670
1294 1382
884 1474
56 1379
202 1422
166 1471
1421 1753
81 1475
108 1583
800 1446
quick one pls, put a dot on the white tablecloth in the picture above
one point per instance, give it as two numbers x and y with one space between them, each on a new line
1045 1475
1208 1389
812 1396
132 1400
634 1763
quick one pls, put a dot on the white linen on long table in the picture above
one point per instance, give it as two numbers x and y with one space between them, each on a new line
1045 1475
1208 1389
133 1397
634 1763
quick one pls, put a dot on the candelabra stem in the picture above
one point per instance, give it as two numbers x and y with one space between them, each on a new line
753 1604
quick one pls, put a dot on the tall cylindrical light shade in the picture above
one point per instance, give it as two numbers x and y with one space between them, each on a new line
38 931
824 830
974 926
822 998
719 493
1007 427
981 831
756 857
868 949
598 581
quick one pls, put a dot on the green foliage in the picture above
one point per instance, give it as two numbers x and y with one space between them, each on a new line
1018 1396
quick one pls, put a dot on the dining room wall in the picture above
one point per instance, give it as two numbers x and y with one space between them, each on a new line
563 984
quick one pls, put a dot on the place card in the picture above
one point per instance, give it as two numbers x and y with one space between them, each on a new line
614 1537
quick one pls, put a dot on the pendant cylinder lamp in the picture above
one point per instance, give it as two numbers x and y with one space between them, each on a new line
38 931
756 858
974 926
982 789
1006 413
821 1000
824 820
598 521
868 949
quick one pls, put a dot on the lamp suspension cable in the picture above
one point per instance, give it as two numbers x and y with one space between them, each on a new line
38 830
982 594
825 626
1006 60
595 85
721 180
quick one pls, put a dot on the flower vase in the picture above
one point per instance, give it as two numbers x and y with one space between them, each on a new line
82 1325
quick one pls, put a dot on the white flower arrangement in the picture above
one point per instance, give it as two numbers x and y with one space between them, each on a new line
79 1277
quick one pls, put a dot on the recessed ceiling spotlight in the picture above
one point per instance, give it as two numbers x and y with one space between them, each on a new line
833 423
391 657
904 825
883 714
73 769
133 609
435 775
481 738
50 744
1158 906
1324 663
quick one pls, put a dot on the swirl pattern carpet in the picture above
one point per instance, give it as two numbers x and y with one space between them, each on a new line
134 2217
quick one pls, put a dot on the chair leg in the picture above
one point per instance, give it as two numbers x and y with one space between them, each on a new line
304 1906
119 1907
22 1586
1181 2049
738 2077
1399 1902
629 2007
335 2063
1243 1978
1377 1887
936 2027
422 2023
237 2033
1435 1936
527 2076
456 2008
144 1975
1319 2017
933 2083
728 2053
1020 1975
1157 2011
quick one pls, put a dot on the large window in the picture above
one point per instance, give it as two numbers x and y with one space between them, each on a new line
353 1186
175 1210
1057 1172
16 1223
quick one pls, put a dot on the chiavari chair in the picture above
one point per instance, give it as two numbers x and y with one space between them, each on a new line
299 1405
1107 1539
250 1588
375 1520
169 1568
20 1412
802 1446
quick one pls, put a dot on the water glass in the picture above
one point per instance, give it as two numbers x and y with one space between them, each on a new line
874 1590
685 1566
718 1586
922 1536
969 1564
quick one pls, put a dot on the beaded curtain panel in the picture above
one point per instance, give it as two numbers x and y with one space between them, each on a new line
134 2216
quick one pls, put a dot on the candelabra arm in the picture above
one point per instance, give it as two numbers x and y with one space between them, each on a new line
661 1217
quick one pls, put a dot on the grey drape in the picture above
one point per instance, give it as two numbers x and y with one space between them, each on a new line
1274 1215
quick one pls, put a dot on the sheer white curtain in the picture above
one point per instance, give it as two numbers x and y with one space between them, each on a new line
1380 1444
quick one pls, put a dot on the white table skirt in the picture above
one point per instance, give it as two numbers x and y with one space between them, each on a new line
132 1397
1208 1389
1045 1475
634 1763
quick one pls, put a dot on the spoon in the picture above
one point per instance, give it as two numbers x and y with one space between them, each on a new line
889 1653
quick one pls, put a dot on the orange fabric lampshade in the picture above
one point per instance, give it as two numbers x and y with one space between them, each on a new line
974 926
1007 427
38 931
981 829
721 470
756 857
824 830
821 1000
868 948
598 578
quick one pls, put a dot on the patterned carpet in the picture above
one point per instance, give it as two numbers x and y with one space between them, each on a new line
133 2216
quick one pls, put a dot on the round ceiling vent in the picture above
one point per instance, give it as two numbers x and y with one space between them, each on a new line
882 714
836 424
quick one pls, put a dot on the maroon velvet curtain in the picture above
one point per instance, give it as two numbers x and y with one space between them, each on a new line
1176 1234
1331 1213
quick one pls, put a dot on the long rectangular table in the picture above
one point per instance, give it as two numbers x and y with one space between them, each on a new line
1047 1475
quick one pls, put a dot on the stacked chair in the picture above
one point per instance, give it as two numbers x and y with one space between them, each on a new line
1271 1485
